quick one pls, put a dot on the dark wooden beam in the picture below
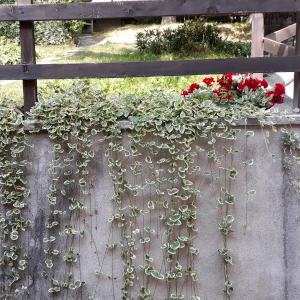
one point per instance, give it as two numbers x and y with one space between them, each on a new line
128 9
283 34
148 69
277 48
28 58
296 103
9 12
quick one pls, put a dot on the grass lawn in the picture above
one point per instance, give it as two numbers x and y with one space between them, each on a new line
109 51
53 51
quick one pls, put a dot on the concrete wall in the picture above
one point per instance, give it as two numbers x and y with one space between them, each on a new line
265 258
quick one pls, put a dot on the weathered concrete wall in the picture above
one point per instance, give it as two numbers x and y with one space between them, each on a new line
265 258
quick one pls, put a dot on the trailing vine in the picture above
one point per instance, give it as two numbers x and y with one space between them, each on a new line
161 153
290 142
13 193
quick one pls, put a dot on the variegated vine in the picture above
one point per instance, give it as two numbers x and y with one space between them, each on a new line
13 193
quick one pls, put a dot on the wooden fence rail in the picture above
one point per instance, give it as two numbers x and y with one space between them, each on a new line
151 68
25 12
132 9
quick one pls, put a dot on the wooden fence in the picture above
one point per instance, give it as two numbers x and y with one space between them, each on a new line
272 43
26 12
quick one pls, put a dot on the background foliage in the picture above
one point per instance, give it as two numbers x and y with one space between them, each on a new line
190 37
46 33
10 53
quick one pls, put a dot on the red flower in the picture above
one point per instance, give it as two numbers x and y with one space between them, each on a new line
277 98
184 93
218 93
271 103
264 84
194 86
279 89
209 81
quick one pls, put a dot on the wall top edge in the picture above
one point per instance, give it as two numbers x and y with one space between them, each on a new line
272 120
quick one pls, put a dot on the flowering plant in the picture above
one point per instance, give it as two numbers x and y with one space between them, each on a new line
240 89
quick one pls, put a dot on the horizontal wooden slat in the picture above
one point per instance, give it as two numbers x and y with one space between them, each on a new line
131 9
283 34
10 72
148 69
9 12
277 48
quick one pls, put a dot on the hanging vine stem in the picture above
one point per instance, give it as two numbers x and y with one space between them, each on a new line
291 141
248 162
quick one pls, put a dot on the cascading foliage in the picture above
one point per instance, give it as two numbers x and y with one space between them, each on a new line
13 192
156 169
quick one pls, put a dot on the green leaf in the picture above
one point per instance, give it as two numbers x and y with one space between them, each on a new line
229 219
82 182
22 262
151 204
49 263
148 160
78 283
249 133
187 182
173 191
18 150
93 131
249 162
149 230
252 192
28 144
145 240
224 191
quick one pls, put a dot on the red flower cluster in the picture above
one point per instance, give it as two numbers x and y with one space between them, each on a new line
191 89
253 84
277 94
209 81
227 83
235 84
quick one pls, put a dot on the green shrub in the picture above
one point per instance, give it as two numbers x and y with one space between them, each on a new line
10 31
184 38
10 53
73 27
46 32
190 37
238 49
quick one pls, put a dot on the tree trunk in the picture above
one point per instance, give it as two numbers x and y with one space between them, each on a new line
276 21
168 20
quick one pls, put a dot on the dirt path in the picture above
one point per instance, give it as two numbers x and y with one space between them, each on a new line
126 35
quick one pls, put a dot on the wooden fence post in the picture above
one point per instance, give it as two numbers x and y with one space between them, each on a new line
296 103
257 46
28 57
